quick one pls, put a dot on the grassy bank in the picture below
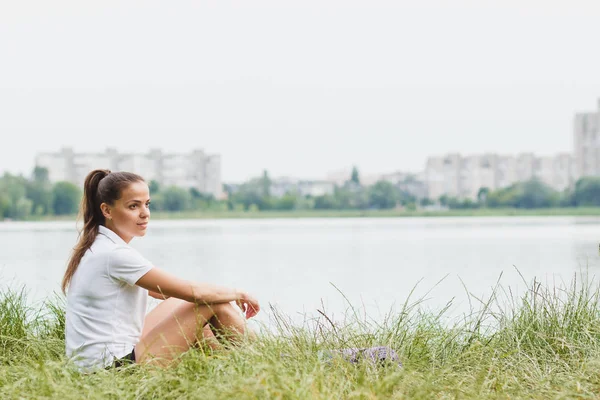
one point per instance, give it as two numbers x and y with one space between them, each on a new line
543 345
484 212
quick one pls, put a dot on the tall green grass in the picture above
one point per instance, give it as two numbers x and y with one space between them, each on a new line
542 344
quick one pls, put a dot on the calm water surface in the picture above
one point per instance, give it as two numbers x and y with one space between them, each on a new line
303 265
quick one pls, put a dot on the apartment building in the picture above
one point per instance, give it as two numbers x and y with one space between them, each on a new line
463 177
507 171
443 175
195 169
556 171
476 171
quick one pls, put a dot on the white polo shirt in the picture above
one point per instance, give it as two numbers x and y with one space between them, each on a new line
105 309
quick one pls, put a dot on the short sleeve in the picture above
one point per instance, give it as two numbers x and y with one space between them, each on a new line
127 265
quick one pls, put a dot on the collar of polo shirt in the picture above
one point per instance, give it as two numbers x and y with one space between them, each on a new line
110 234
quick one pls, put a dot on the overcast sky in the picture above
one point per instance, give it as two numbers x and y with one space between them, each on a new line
300 88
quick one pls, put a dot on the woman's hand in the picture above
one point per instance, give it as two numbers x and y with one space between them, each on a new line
248 304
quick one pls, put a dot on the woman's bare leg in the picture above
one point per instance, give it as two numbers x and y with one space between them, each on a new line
174 326
165 309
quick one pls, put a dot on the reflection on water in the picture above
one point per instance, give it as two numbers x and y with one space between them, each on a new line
301 265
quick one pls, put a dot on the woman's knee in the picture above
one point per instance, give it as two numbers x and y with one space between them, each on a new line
225 310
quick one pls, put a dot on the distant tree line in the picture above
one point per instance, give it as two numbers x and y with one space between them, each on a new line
22 198
531 194
256 195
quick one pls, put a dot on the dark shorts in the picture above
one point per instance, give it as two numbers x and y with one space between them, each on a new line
125 360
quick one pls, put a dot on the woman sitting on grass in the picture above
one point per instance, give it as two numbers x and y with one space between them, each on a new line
108 283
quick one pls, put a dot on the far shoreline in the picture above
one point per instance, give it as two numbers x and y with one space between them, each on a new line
394 213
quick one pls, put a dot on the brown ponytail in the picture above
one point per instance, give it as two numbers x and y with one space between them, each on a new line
101 186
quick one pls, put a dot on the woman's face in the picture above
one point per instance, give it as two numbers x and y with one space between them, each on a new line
128 216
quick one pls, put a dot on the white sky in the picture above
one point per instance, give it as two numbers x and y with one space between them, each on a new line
300 88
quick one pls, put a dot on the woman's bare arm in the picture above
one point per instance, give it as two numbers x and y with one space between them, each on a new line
168 285
158 296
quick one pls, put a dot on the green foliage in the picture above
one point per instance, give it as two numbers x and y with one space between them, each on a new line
40 192
13 201
444 200
253 192
426 201
265 184
5 205
343 198
40 175
325 202
464 204
354 178
21 198
482 195
66 198
22 209
201 201
176 199
287 202
382 195
305 203
237 207
530 194
587 192
42 199
404 197
154 187
195 193
533 194
351 196
536 194
157 202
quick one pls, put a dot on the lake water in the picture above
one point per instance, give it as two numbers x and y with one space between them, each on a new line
300 266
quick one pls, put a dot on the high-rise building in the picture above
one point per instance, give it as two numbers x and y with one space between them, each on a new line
191 170
586 134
